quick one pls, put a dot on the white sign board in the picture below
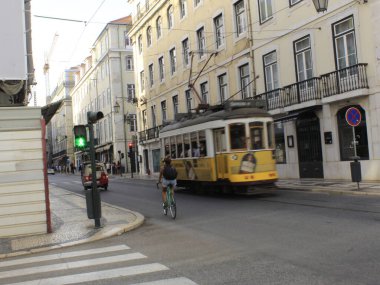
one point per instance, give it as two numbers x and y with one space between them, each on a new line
13 40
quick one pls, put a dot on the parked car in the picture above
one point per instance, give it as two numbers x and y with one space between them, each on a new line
50 171
101 176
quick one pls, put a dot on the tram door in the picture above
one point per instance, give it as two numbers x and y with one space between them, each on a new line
220 147
309 146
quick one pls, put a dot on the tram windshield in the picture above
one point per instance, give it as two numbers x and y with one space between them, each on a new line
237 136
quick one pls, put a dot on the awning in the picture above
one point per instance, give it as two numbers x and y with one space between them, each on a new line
103 148
48 111
295 114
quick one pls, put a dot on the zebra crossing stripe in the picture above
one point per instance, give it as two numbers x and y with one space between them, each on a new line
71 265
63 255
98 275
173 281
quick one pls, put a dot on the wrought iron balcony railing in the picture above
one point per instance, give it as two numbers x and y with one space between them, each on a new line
149 134
333 83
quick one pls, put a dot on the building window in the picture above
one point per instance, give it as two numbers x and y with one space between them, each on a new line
183 8
146 5
185 52
204 92
153 110
223 91
280 142
151 75
271 71
161 68
346 141
197 2
188 100
170 17
163 111
293 2
219 30
149 36
245 83
132 123
129 62
140 44
127 40
201 41
131 93
142 81
240 17
138 9
344 41
173 61
159 27
144 119
302 50
265 10
175 104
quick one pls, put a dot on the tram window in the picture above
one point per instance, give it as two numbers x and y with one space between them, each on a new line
180 146
270 130
220 140
256 132
167 147
194 144
186 142
173 147
237 136
202 143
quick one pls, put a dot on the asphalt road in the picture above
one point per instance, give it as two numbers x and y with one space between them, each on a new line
287 238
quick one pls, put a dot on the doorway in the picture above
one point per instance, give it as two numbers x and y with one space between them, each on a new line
309 146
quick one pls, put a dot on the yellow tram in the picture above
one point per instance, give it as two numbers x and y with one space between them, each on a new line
231 147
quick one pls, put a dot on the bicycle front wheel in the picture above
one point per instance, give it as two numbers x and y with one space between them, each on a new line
173 210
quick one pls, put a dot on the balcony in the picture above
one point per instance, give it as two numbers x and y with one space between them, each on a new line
149 134
317 88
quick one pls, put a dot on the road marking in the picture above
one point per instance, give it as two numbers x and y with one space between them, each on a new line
173 281
71 265
63 255
98 275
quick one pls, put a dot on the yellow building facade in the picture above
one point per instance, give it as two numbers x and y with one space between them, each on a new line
309 67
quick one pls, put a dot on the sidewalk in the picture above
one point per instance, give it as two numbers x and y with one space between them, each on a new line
72 227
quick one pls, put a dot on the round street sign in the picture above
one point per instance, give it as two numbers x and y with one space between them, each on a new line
353 116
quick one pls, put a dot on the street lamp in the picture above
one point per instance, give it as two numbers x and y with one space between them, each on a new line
320 5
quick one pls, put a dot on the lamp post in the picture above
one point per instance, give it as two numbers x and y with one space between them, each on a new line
320 5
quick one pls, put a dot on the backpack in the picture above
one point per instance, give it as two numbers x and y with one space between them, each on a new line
169 173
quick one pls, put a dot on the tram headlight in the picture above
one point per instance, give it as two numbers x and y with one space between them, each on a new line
234 157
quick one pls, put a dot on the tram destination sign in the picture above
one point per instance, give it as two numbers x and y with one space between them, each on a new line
353 116
236 104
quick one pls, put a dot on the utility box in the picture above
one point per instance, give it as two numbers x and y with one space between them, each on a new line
356 172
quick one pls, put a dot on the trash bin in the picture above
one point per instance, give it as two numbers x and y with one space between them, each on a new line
356 173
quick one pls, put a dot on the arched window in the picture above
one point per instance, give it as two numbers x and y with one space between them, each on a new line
159 27
346 143
170 17
149 36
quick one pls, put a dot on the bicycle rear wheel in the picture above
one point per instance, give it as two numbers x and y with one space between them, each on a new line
171 203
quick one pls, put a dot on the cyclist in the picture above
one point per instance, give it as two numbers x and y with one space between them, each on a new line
168 175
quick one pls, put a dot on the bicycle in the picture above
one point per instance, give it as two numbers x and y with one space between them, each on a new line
170 202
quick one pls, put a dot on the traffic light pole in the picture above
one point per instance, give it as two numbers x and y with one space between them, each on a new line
96 203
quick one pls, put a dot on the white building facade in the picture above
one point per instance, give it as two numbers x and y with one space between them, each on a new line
311 69
105 82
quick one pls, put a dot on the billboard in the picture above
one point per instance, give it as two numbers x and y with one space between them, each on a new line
13 56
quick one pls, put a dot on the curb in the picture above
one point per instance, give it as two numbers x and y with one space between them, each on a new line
331 191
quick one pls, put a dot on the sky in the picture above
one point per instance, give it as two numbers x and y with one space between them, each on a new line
74 40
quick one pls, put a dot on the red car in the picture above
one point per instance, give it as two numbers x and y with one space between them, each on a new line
101 176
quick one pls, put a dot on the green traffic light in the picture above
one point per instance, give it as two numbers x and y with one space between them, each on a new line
80 142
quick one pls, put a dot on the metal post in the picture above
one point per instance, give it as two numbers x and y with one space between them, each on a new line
354 140
96 203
